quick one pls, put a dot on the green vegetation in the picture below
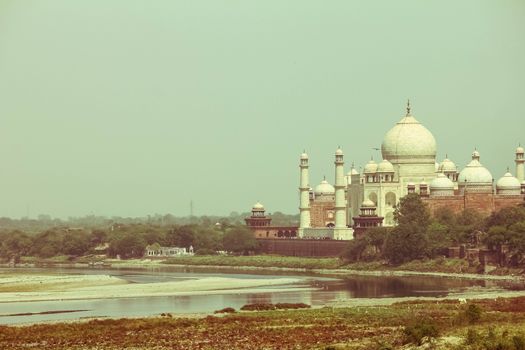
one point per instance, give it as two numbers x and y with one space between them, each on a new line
420 237
420 330
278 306
436 324
125 241
259 261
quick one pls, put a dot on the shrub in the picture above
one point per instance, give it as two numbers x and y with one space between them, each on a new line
258 307
519 342
384 346
290 306
472 337
473 313
227 310
416 333
205 251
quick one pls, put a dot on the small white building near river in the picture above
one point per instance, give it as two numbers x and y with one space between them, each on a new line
156 251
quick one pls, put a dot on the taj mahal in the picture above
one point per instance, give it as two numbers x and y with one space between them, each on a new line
359 200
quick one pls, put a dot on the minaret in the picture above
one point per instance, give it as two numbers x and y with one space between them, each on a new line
304 190
520 166
340 205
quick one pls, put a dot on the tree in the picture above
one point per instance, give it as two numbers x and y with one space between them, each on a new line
207 240
376 237
355 249
15 243
445 216
438 236
98 237
127 245
240 240
76 243
48 243
412 211
181 236
409 240
506 217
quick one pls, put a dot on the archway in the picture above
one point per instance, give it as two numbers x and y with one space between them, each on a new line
373 197
390 199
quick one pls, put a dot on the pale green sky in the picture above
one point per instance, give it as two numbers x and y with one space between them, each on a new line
122 107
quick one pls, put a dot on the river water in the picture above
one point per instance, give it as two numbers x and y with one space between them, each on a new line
312 289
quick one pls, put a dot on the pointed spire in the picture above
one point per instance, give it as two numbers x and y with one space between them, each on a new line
408 107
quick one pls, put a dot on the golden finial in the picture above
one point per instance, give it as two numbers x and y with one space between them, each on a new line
408 107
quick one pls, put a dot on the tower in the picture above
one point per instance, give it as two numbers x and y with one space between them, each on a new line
520 166
340 186
258 218
304 191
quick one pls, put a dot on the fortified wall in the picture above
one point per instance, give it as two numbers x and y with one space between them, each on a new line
303 247
485 203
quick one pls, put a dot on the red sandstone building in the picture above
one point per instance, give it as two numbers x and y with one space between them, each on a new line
260 224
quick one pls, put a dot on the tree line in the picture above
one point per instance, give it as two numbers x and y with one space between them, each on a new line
418 235
92 222
126 241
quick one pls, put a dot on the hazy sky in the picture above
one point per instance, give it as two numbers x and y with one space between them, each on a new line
122 107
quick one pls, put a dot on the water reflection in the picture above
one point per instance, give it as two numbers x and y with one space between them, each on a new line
321 290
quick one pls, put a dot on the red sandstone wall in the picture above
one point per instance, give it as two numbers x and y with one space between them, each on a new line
485 203
319 213
455 203
303 247
273 231
501 202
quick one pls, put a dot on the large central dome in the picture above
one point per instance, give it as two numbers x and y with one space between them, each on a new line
409 142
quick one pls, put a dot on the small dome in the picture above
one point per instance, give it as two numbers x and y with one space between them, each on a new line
520 150
508 182
370 167
339 152
258 206
304 156
475 177
385 167
475 172
409 141
441 182
352 172
367 203
447 166
324 188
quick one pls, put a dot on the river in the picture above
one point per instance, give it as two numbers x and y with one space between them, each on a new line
311 289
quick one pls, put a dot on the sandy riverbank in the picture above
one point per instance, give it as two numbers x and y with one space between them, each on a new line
48 288
17 283
146 263
471 294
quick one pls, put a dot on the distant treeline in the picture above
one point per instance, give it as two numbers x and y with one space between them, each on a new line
125 240
91 222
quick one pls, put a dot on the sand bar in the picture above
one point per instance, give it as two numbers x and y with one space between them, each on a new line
112 287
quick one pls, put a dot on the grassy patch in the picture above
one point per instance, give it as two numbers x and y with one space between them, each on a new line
439 265
266 261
